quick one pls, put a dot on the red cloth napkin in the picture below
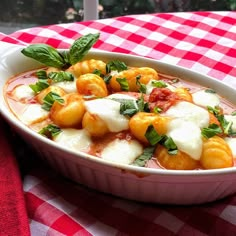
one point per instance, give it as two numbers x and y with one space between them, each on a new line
13 217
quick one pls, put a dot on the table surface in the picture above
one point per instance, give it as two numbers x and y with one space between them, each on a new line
202 41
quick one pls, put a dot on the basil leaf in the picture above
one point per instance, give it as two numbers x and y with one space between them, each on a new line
211 131
210 91
115 65
81 46
42 83
142 105
159 84
45 54
123 84
50 131
169 144
60 76
49 99
144 157
152 136
142 87
128 107
233 113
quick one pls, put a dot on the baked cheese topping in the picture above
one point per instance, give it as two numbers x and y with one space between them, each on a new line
73 139
189 112
204 98
109 111
187 137
122 151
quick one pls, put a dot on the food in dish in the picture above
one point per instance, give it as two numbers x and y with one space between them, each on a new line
123 114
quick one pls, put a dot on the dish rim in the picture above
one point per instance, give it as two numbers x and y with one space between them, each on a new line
10 117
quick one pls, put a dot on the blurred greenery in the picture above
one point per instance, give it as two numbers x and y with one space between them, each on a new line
57 11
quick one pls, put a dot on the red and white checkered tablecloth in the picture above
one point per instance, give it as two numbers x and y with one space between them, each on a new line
202 41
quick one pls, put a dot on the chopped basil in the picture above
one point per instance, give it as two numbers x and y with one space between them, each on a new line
144 157
128 107
107 78
233 113
157 110
123 84
98 72
211 131
115 65
142 105
214 110
152 136
210 91
50 131
49 99
42 83
60 76
159 84
142 87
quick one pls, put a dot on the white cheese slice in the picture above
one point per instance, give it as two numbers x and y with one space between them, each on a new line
187 137
22 92
122 151
73 139
68 86
109 111
231 118
189 112
121 96
232 144
203 98
33 113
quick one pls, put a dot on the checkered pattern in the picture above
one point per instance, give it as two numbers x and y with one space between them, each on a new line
202 41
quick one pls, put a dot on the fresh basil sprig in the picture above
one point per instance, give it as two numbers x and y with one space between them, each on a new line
81 46
50 56
45 54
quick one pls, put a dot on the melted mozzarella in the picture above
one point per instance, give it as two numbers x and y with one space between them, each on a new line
187 137
232 144
33 113
122 151
68 86
109 111
73 139
189 112
121 96
23 92
231 118
203 98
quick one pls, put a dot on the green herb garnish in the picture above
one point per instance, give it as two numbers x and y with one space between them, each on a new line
60 76
49 56
123 84
211 131
50 131
115 65
49 99
159 84
144 157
